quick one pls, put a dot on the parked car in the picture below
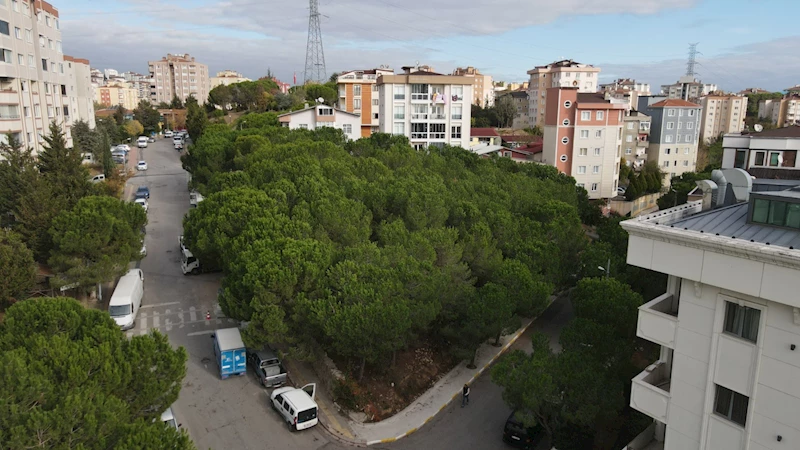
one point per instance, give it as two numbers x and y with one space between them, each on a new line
98 178
87 158
230 352
516 434
296 406
168 134
267 367
142 202
169 419
141 165
151 139
141 142
178 146
124 147
143 192
127 299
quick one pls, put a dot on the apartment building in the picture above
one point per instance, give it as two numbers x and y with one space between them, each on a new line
583 137
317 116
782 112
227 78
482 88
178 75
117 94
770 154
722 113
358 94
674 133
794 90
635 138
728 321
627 90
688 88
429 108
38 84
565 73
521 119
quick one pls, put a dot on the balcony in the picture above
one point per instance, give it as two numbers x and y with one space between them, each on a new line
658 320
438 117
420 96
418 136
647 440
438 135
419 116
650 392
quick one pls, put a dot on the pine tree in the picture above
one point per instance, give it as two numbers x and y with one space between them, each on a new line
62 169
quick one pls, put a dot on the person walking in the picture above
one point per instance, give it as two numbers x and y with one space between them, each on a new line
465 395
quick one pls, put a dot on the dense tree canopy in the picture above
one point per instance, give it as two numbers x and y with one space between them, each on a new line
363 246
17 268
69 378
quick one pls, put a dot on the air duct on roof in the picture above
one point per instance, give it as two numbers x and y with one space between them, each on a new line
722 188
709 189
740 182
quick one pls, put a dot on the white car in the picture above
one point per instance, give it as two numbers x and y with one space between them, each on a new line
125 147
169 419
141 142
296 406
142 202
168 134
141 165
144 249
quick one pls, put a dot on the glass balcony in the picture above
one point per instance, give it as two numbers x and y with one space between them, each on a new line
650 391
658 320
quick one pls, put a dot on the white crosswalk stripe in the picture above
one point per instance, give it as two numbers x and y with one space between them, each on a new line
150 319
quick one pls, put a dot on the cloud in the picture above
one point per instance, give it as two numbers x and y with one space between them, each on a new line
771 65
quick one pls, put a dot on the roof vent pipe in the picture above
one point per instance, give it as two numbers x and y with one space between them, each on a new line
722 187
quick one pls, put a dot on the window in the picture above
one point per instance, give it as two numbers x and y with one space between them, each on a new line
37 112
776 212
595 169
666 163
28 35
567 104
66 111
303 126
738 162
594 187
61 69
670 125
374 88
18 32
597 151
356 90
731 405
325 112
15 5
21 59
44 64
374 102
742 321
774 159
400 112
58 47
565 122
584 134
581 170
563 158
598 133
42 41
455 132
399 128
760 158
600 115
680 125
580 185
357 103
4 28
51 44
628 151
47 21
789 158
24 84
50 112
586 115
691 112
399 92
347 128
668 139
26 110
629 138
565 140
686 151
583 152
456 112
6 56
630 125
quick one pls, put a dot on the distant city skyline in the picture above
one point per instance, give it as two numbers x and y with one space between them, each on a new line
646 40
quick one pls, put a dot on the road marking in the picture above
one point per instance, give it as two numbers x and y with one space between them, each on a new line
192 314
167 322
156 320
159 304
200 333
142 325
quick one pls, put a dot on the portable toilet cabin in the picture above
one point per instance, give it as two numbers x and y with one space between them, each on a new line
230 352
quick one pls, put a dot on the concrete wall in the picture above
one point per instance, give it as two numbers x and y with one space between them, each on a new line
636 206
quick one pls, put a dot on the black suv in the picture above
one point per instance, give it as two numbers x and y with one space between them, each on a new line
515 433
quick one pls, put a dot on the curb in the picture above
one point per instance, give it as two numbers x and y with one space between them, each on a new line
505 347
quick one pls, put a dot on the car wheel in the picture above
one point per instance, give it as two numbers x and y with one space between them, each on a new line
195 271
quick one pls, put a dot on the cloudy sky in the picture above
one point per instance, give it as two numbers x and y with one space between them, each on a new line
743 43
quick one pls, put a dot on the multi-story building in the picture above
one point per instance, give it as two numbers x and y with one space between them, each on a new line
227 78
627 90
794 90
282 87
728 321
429 108
769 154
520 98
117 94
358 94
98 77
674 132
635 138
482 88
582 138
687 88
317 116
565 73
782 112
722 114
749 91
484 136
178 76
38 84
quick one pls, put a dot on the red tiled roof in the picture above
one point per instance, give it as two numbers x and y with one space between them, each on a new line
536 147
673 103
483 132
520 138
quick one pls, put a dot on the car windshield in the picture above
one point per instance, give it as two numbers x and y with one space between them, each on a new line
141 190
141 163
119 310
305 416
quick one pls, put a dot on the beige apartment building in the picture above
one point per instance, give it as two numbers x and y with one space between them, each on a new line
227 78
482 88
117 94
358 94
565 73
178 75
38 83
721 114
782 112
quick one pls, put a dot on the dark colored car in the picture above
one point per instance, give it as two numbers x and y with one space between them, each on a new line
517 435
143 192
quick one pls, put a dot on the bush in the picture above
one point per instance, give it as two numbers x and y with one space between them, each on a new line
347 394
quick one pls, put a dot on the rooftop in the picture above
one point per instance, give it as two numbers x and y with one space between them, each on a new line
785 132
591 97
674 103
483 132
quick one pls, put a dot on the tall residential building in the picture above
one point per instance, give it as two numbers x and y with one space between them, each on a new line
482 88
782 112
429 108
635 138
227 78
688 88
722 114
358 94
116 94
38 84
582 138
565 73
770 154
794 90
728 321
674 133
520 98
178 75
627 90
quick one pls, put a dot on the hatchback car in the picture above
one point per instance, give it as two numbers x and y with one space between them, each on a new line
141 165
143 192
151 139
142 202
517 435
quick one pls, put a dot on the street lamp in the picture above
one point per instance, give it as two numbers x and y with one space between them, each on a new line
607 271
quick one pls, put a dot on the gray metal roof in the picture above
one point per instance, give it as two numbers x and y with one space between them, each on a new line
731 221
229 339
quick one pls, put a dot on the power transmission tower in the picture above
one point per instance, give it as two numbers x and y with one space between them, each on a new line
315 57
690 65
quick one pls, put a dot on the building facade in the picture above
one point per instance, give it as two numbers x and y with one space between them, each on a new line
317 116
635 138
565 73
178 76
674 134
582 138
782 112
728 321
627 90
117 94
687 88
80 91
770 154
521 119
722 114
358 94
482 88
227 78
429 108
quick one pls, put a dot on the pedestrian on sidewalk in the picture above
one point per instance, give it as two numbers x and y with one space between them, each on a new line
465 395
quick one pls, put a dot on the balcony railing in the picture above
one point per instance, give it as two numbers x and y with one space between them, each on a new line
438 117
438 135
420 96
399 96
456 116
419 135
650 391
658 320
399 116
419 117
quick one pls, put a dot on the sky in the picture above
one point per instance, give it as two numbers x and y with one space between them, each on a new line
742 43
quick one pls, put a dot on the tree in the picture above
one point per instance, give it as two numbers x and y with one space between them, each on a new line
84 139
106 158
133 128
95 241
90 396
506 110
176 103
110 127
62 168
196 118
147 116
221 96
17 268
317 91
18 175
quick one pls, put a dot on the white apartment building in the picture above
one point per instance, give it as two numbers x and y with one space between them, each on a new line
38 84
358 94
728 322
565 73
483 92
178 75
722 114
317 116
227 78
429 108
782 112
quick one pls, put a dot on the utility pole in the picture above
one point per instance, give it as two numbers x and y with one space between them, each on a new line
315 57
692 62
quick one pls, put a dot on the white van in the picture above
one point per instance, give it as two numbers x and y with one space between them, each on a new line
296 406
127 299
169 419
142 142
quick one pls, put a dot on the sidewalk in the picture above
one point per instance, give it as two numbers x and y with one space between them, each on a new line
415 415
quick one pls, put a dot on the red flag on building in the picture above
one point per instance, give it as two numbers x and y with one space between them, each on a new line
295 78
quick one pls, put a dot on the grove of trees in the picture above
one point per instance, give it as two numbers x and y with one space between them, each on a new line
365 246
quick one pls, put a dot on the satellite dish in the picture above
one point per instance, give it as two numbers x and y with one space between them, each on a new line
321 100
758 127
